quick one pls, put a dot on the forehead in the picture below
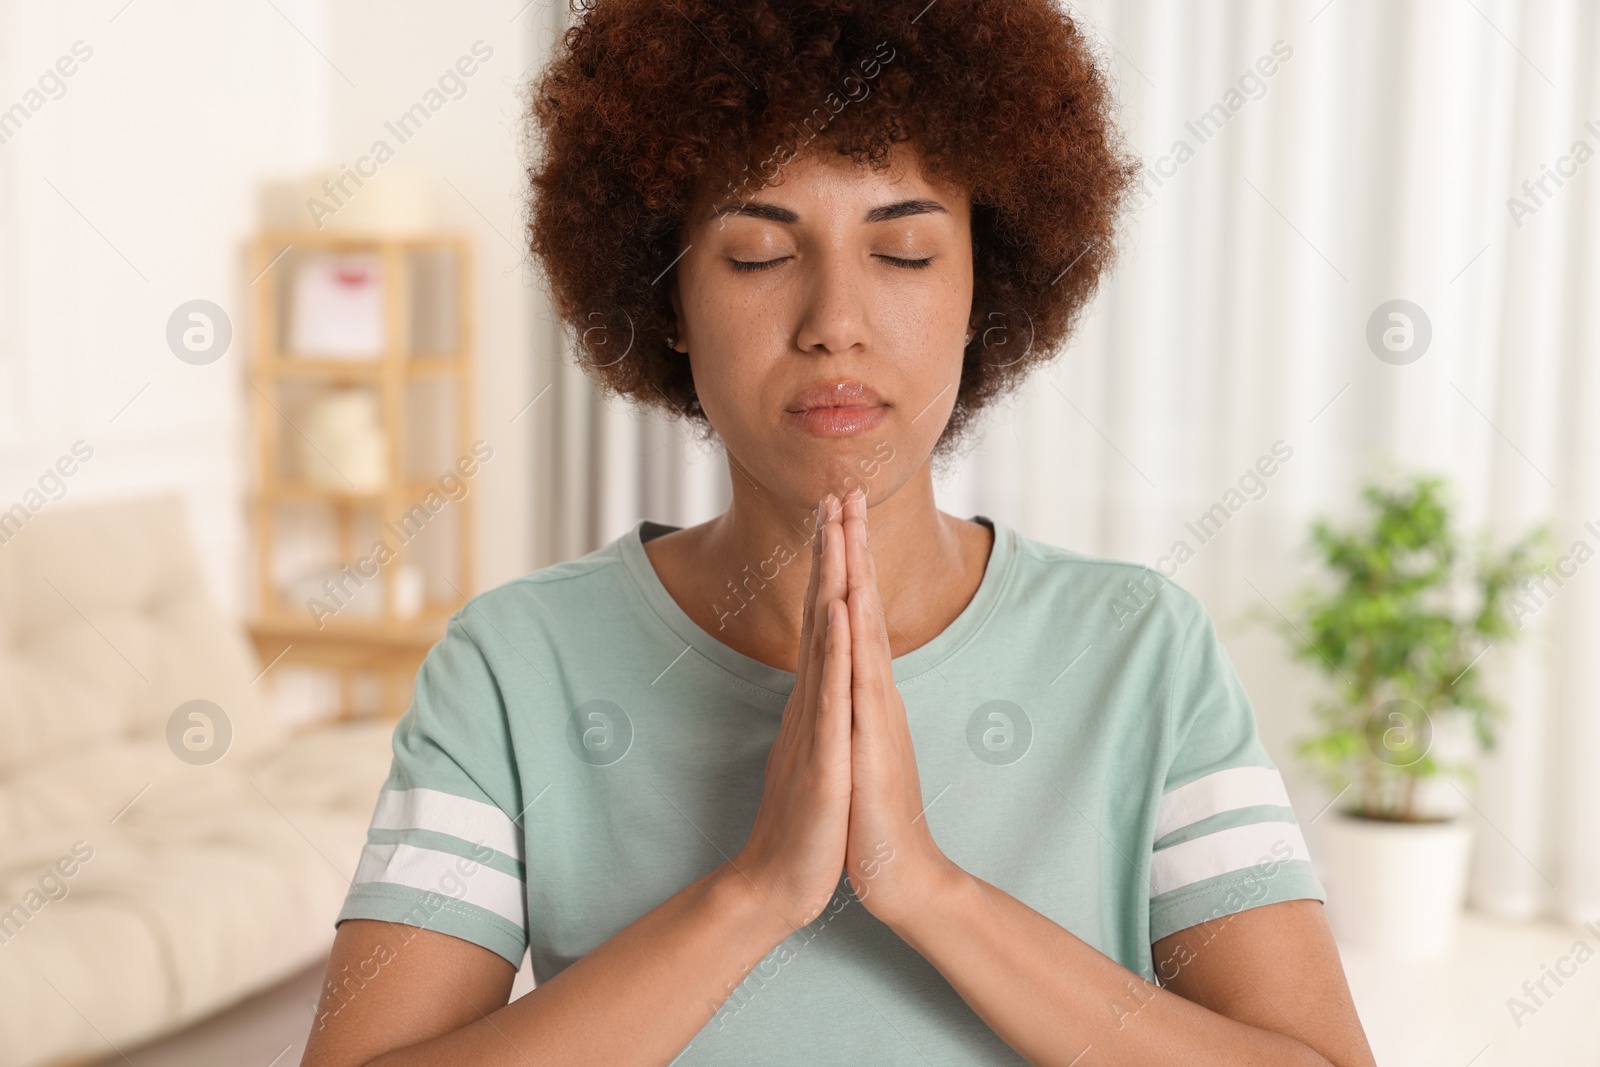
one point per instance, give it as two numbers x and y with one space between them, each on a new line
823 180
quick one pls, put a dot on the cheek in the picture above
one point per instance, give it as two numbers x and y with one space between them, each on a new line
728 371
928 339
733 346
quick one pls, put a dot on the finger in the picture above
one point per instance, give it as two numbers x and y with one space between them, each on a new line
833 699
855 524
870 670
864 577
815 648
808 616
795 725
881 628
830 586
807 607
833 553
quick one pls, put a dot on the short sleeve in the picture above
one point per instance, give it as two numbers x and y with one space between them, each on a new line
1225 836
444 850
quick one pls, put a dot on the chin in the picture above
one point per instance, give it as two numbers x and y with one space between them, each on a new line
873 464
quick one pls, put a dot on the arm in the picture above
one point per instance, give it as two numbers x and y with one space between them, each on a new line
638 998
642 995
1235 996
1238 1000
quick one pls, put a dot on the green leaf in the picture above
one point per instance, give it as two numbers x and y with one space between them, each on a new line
1402 611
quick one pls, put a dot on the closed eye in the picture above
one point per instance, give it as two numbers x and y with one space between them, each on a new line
765 264
754 265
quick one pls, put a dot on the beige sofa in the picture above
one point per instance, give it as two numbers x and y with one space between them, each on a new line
141 891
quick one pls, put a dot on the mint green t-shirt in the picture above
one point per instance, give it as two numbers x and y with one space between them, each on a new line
578 750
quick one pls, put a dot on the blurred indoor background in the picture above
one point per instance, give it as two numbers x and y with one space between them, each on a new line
241 344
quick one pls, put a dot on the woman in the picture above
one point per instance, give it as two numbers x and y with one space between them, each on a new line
829 234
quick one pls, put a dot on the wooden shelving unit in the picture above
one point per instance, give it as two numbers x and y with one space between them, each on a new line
387 645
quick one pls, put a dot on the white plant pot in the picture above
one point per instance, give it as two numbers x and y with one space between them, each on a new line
1395 888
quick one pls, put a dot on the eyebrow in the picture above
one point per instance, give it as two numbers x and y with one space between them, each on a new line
885 213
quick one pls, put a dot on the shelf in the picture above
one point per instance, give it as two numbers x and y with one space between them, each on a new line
313 493
391 650
422 381
334 239
301 491
362 369
424 630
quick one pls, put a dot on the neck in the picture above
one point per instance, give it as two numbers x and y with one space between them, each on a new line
758 554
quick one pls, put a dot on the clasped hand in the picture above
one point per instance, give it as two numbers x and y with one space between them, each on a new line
841 788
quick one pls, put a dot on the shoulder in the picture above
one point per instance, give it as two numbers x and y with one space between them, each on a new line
1121 596
513 638
550 592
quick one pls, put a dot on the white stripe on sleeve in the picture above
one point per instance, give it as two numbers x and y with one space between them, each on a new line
446 813
1236 787
1228 850
444 873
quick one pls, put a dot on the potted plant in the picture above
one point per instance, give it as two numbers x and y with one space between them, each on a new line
1401 637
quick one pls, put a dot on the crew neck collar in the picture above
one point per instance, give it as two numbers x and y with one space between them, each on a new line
918 661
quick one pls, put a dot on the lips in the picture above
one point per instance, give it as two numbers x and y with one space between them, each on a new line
837 408
839 393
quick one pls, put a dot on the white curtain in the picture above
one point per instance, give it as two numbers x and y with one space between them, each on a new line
1375 162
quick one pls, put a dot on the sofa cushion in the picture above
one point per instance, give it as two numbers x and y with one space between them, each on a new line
139 891
216 882
106 627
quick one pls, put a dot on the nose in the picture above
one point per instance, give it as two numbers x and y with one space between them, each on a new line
834 317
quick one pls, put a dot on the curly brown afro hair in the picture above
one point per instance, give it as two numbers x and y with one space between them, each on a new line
648 102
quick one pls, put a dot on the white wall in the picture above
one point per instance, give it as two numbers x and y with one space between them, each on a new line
125 197
394 52
136 190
